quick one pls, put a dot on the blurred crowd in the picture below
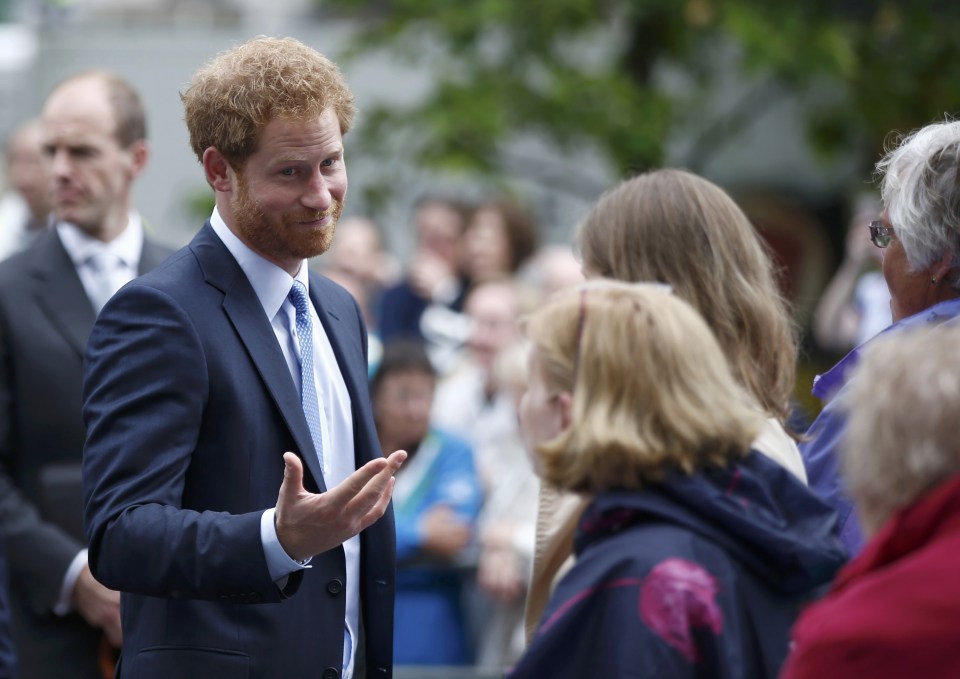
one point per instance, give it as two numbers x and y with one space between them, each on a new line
448 367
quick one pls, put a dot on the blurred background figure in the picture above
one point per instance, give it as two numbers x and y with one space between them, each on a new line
855 305
478 401
434 280
94 127
500 237
695 553
358 251
553 268
436 501
919 236
890 612
674 227
506 526
26 210
358 261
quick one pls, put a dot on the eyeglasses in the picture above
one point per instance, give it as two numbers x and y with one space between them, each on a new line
880 234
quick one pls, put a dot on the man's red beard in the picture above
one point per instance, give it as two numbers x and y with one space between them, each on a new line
282 238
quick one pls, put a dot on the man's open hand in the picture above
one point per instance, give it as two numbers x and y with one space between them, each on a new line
311 523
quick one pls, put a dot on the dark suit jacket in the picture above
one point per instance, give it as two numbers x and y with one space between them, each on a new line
8 654
189 407
45 318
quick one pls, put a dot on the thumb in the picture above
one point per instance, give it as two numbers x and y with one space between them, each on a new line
292 476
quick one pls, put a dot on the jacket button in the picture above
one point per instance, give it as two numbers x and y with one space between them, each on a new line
334 587
330 673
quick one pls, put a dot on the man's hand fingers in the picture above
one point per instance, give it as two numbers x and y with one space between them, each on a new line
377 470
292 485
396 458
114 631
380 506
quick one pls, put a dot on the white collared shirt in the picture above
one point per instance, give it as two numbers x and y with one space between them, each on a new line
272 285
126 248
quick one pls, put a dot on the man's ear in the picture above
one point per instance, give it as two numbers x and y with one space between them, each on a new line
565 404
218 171
139 155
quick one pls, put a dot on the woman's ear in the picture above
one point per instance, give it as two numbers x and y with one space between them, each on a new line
565 406
942 267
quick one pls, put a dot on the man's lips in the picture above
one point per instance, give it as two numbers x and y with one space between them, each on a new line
68 196
314 221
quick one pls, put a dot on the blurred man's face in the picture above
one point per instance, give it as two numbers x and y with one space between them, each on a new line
492 310
92 173
486 246
287 199
28 170
401 406
439 230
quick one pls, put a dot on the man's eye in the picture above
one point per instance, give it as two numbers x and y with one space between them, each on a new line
288 172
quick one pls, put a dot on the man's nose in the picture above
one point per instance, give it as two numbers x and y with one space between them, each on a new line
60 165
317 196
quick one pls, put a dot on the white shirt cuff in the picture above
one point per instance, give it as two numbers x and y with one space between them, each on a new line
64 603
279 564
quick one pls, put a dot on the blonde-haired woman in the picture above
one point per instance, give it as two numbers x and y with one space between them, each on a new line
674 227
892 611
694 554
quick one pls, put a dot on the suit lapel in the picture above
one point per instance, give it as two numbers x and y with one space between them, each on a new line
245 312
59 291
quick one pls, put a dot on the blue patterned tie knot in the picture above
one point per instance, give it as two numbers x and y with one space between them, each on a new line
308 387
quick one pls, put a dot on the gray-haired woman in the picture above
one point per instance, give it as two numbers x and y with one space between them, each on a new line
919 233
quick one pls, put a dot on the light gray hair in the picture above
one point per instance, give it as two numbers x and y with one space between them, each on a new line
921 194
902 435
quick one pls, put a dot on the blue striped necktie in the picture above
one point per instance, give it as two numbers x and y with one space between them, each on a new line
308 387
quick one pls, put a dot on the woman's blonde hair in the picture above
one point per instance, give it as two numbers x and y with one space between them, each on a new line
231 99
677 228
901 438
651 388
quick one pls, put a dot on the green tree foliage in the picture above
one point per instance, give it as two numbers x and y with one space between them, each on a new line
591 72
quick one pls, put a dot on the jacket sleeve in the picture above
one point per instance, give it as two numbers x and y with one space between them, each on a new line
38 552
820 450
146 386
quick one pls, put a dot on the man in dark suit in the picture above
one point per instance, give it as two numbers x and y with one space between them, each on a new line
95 141
233 560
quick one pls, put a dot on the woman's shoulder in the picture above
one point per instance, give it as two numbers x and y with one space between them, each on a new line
776 443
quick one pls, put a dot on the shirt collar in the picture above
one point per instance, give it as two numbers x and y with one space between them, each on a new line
127 246
270 282
826 385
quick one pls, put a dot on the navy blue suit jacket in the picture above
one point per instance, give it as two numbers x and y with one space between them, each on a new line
189 407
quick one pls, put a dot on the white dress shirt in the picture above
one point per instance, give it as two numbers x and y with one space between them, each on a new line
272 285
125 249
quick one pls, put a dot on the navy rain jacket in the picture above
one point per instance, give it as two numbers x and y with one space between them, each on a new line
698 576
